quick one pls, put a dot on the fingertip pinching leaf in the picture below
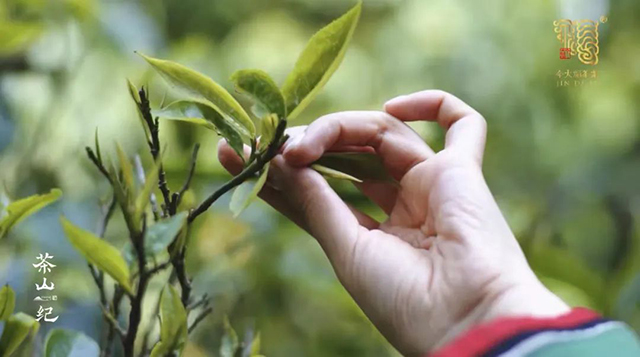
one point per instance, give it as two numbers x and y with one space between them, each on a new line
245 193
354 166
99 253
258 85
203 86
329 172
318 61
19 210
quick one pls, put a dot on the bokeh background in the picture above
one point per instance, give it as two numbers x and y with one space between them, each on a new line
563 161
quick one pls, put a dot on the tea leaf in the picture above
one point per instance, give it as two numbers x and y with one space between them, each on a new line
363 166
245 193
325 171
143 198
7 302
229 344
127 171
16 330
201 85
192 110
268 126
161 234
318 61
173 327
67 343
99 253
18 210
261 88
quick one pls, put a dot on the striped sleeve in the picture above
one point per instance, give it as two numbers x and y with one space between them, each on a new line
580 332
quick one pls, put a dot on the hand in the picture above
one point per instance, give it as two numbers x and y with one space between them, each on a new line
445 259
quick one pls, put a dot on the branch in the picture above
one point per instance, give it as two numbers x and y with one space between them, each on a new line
248 172
154 146
192 171
159 267
204 300
113 322
136 300
198 319
92 156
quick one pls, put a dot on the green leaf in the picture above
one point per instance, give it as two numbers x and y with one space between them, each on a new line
67 343
318 61
16 330
201 85
192 110
363 166
97 145
133 92
7 302
99 253
268 126
173 327
158 236
127 171
255 346
150 182
247 192
261 88
18 210
17 36
325 171
229 344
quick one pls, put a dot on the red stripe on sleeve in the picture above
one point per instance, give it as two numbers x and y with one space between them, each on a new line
482 338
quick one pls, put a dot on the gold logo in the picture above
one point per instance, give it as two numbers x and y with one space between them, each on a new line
578 38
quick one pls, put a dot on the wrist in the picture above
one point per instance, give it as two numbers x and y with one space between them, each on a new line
523 299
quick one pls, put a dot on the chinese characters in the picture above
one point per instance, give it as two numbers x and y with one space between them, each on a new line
45 266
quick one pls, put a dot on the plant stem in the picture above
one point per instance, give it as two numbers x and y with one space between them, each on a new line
199 319
154 146
136 301
250 171
187 182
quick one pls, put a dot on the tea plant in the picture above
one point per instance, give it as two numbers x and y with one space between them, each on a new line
159 226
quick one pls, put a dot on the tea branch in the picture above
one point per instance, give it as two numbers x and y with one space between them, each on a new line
154 146
250 171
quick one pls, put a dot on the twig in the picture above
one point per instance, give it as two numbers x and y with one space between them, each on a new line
136 300
154 147
204 300
159 267
113 322
198 319
92 156
187 182
248 172
115 308
181 274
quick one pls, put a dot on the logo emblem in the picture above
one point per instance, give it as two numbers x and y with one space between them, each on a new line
578 38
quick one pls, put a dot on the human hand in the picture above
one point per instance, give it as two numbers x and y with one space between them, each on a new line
445 259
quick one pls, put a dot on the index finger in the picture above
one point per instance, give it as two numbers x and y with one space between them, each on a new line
397 144
466 128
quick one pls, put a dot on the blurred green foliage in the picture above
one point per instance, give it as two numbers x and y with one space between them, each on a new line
564 162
